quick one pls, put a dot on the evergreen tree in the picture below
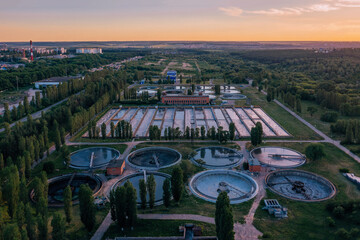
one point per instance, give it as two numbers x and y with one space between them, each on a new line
62 135
120 206
131 207
166 193
224 218
232 131
254 136
259 132
68 203
143 193
112 205
20 214
2 163
42 224
87 208
7 115
298 105
57 139
23 192
30 223
177 183
58 226
103 131
151 186
202 130
11 188
112 129
11 232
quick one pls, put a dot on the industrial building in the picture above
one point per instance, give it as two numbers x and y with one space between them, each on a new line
171 75
88 50
54 81
185 99
115 167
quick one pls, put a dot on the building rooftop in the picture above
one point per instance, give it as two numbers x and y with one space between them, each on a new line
115 163
59 79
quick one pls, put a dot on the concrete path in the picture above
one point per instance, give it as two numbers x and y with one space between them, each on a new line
103 228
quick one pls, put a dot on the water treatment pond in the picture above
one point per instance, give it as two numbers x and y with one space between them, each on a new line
95 157
300 185
153 158
208 184
278 157
217 157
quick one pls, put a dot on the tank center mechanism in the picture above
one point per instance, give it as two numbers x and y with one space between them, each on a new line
155 160
226 187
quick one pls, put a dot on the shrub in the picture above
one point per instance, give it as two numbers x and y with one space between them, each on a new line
266 235
246 166
314 151
343 234
330 222
329 117
344 170
49 167
339 212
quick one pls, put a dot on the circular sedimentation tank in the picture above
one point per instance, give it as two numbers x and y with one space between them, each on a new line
152 158
300 185
217 157
135 178
278 157
148 88
233 96
174 91
94 157
59 183
208 184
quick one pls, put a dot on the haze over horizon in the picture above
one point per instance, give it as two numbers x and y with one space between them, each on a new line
140 20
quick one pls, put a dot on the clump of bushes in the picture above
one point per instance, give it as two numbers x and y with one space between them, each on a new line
344 170
49 167
329 117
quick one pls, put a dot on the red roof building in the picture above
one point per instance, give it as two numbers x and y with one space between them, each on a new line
185 99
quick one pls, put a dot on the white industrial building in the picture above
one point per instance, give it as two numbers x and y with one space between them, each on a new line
89 50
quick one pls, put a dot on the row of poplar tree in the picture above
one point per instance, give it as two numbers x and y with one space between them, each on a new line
123 199
26 143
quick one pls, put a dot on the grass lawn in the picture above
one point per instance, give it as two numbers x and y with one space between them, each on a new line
307 220
297 129
158 228
60 168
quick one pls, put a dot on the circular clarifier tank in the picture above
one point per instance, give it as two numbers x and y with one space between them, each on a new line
152 158
135 178
59 183
300 185
278 157
233 96
148 88
216 157
94 157
208 184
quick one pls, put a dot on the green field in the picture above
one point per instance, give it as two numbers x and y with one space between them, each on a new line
296 128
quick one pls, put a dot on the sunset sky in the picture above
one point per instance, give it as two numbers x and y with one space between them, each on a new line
211 20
